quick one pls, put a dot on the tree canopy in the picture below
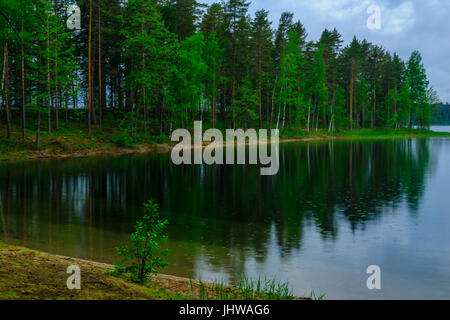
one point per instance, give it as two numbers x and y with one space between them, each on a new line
149 66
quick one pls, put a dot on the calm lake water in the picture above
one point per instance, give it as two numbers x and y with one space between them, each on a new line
440 128
333 209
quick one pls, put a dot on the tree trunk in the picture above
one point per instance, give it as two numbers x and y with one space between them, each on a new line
49 117
395 112
5 88
309 111
89 69
94 56
57 98
273 102
352 76
331 122
260 86
144 95
374 98
23 89
38 127
213 95
279 107
66 95
100 89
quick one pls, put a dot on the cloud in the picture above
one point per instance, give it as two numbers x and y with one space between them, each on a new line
398 19
407 25
344 9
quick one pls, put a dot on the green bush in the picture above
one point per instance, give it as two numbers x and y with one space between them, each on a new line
146 256
123 139
160 139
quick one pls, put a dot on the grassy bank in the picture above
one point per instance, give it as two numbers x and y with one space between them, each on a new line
73 141
379 133
29 274
33 275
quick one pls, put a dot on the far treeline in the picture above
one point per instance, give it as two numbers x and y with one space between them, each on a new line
147 67
441 115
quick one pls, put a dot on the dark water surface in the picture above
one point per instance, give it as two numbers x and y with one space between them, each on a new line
333 209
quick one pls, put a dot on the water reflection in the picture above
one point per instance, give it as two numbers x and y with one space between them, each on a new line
223 219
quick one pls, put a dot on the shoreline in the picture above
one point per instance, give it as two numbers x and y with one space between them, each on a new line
28 274
35 155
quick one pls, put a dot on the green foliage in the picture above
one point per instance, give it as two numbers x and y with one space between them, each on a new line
146 256
404 100
167 63
418 83
362 97
392 103
245 104
245 289
160 139
314 296
317 84
213 56
441 115
123 139
293 76
269 289
188 79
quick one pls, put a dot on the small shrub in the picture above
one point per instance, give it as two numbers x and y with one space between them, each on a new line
160 139
146 256
123 139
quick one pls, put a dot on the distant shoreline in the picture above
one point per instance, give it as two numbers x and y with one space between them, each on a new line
51 150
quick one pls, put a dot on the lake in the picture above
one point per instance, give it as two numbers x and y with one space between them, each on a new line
334 208
440 128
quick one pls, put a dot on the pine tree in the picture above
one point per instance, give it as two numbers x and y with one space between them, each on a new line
213 57
419 86
392 114
192 72
261 51
404 102
246 102
281 37
139 63
236 34
212 20
148 45
375 58
293 76
351 57
317 85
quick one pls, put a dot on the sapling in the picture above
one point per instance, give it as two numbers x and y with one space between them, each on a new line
145 257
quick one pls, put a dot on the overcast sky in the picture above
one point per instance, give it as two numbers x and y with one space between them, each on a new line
406 26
